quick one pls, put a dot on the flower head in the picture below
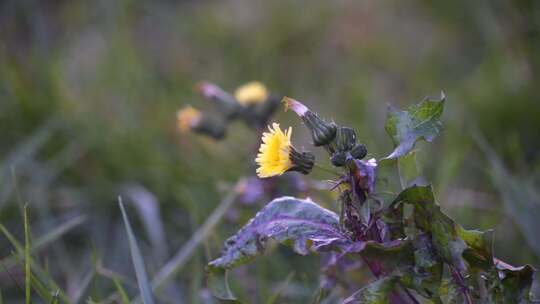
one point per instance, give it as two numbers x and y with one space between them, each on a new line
188 118
251 93
273 158
277 155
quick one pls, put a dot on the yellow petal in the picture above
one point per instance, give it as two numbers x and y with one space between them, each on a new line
251 93
273 158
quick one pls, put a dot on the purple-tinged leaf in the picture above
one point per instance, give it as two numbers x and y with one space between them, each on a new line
378 292
304 225
516 282
419 121
429 218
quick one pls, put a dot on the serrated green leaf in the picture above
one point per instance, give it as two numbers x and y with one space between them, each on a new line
429 218
467 251
377 292
480 243
409 173
426 275
419 121
516 282
302 224
386 257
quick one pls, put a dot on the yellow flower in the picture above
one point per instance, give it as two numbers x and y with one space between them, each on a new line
187 118
251 93
274 153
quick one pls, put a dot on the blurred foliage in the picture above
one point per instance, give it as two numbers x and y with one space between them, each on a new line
89 91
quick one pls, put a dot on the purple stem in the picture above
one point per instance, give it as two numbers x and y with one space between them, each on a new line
459 280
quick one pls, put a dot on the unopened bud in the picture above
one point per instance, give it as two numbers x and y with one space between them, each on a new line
322 132
359 151
345 139
339 159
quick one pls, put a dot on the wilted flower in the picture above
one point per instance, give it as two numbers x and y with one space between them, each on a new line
223 99
251 93
188 118
322 132
364 175
277 155
299 108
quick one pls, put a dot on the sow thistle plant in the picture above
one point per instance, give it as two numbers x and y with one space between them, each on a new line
415 252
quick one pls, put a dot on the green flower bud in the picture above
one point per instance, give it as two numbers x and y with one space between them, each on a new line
339 159
359 151
345 139
322 132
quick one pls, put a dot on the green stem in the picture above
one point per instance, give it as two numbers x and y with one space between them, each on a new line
326 170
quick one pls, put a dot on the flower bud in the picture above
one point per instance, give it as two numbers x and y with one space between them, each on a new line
322 132
339 159
302 161
345 139
359 151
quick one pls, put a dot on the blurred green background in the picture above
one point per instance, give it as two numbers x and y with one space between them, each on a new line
89 92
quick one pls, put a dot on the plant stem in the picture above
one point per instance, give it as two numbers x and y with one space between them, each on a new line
459 280
326 170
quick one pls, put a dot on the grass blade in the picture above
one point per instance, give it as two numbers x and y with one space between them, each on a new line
27 268
49 237
38 270
142 279
121 291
